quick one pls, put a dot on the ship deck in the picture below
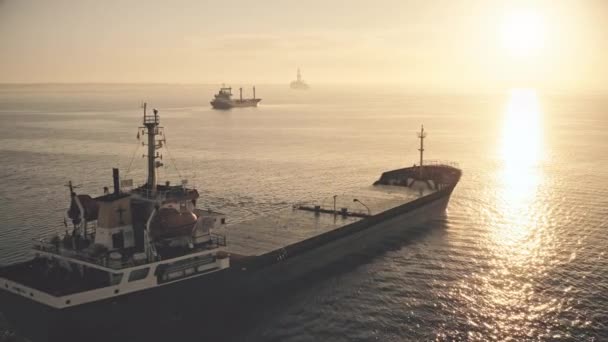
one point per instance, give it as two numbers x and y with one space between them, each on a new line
291 225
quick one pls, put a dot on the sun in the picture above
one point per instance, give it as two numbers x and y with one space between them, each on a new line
523 33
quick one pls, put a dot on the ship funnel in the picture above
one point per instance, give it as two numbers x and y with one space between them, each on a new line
115 177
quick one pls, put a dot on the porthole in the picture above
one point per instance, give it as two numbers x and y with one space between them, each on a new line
68 302
116 291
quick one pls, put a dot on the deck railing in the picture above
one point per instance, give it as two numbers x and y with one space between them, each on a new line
162 195
151 119
56 248
438 162
103 259
218 239
149 194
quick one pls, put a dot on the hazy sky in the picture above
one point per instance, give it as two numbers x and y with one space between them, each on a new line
444 44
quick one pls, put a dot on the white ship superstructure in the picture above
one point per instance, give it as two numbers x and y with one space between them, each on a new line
124 241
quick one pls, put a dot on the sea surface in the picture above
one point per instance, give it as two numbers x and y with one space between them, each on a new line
520 255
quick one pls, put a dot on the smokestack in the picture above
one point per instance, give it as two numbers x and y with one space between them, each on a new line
254 92
115 178
241 91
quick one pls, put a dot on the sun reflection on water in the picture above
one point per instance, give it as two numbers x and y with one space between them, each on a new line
520 240
520 177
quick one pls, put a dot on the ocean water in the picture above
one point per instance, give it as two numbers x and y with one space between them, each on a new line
520 255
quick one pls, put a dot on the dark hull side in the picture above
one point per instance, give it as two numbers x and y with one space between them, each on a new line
123 318
235 103
218 294
299 85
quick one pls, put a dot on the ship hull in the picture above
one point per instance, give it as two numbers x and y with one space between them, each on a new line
118 317
218 290
217 104
299 86
357 243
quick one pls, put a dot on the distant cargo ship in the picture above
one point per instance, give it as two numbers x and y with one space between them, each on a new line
223 99
150 249
299 83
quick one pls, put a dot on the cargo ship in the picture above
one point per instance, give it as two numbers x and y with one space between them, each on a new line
223 99
132 253
299 82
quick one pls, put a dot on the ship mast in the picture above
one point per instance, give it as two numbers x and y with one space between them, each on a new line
421 136
152 129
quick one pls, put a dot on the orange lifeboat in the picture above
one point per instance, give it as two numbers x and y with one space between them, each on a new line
170 223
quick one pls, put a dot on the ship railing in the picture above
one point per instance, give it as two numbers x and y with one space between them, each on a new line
101 260
149 194
55 248
45 246
91 229
158 194
153 195
151 119
327 209
439 162
218 239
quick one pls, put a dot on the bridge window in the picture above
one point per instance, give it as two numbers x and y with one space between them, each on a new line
139 274
115 278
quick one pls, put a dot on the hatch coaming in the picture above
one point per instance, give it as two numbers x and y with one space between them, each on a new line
291 225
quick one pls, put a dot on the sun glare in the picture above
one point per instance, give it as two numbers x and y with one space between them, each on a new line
523 33
522 129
